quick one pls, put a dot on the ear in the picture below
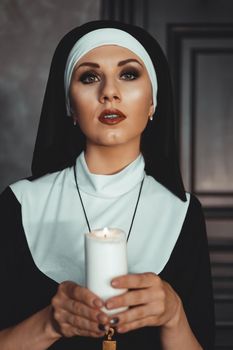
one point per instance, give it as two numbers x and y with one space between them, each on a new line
151 110
72 114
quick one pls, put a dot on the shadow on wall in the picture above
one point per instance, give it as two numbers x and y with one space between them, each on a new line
29 34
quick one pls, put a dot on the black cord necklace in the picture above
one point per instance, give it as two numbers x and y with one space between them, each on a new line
84 211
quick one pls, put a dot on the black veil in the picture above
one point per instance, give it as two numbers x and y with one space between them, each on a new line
59 143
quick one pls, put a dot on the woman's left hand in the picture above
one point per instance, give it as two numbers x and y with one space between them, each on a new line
151 302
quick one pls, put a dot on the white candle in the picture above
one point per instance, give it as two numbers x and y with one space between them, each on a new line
105 258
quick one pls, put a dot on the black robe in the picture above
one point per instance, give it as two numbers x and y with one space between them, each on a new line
25 289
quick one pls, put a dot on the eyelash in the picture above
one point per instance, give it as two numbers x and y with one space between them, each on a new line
85 77
93 77
133 73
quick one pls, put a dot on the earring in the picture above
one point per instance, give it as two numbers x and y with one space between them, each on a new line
151 118
74 122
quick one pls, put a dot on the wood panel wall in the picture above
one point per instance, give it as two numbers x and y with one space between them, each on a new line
201 59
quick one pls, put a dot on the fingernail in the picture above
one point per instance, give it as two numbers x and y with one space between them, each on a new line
107 328
119 330
114 321
102 318
101 327
115 283
98 303
109 305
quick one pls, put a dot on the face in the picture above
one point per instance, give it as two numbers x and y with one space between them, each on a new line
111 96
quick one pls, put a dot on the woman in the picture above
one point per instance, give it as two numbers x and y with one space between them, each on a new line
107 115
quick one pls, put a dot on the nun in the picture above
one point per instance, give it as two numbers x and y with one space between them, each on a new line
105 155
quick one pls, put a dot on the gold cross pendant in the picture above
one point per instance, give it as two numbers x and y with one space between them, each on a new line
109 344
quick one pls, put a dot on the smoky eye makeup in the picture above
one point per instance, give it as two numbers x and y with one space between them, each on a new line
88 77
130 73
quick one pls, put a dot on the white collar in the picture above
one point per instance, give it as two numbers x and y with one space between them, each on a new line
54 223
109 186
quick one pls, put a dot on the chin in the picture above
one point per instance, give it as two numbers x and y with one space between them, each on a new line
110 144
112 138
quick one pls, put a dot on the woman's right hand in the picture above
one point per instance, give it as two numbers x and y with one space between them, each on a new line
76 311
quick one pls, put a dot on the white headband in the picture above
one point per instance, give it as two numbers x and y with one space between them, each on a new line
107 36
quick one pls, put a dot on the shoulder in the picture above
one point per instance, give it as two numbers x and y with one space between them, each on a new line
7 199
193 235
192 205
10 218
195 204
191 246
195 214
191 211
38 187
153 189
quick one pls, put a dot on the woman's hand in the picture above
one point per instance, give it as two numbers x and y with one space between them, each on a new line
76 311
152 302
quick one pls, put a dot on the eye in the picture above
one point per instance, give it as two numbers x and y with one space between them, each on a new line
89 78
129 75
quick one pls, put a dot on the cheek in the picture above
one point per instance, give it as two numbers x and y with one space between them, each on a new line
82 106
80 100
139 103
140 95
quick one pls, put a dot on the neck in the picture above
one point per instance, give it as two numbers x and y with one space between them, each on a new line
107 160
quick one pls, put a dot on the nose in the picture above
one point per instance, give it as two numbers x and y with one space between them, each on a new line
109 91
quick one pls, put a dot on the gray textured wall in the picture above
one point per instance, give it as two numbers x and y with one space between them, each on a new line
29 33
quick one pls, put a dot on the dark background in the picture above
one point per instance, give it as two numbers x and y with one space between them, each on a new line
197 36
29 34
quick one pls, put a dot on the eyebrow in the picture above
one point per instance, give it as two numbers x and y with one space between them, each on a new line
121 63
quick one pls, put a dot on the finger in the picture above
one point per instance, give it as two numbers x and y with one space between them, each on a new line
64 318
69 331
144 322
74 291
135 281
133 298
82 323
90 313
145 311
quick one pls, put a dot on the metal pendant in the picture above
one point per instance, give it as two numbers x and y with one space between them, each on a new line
109 344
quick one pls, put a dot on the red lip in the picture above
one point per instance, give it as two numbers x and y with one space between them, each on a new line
111 121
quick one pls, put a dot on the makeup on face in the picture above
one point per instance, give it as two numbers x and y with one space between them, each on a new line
111 96
91 72
108 37
111 116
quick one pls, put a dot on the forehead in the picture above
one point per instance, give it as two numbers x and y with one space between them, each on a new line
113 53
